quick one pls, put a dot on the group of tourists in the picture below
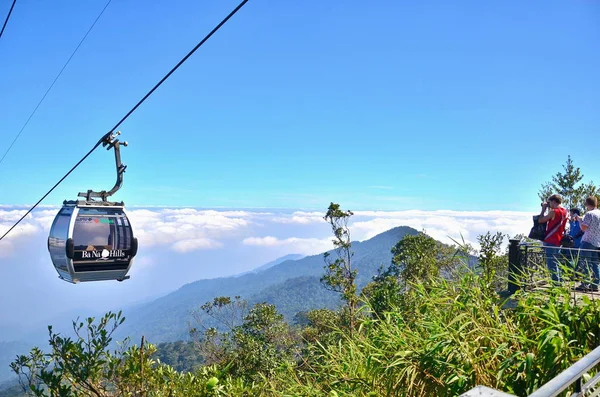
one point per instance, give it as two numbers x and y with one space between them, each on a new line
580 242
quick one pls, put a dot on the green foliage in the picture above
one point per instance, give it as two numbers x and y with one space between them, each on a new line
182 356
214 346
492 262
263 343
570 186
74 367
431 335
339 275
415 259
86 367
456 335
383 293
291 286
319 325
419 258
257 344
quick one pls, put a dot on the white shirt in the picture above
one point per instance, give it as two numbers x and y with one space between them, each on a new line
592 233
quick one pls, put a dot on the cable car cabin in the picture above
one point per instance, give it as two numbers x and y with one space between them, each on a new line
92 242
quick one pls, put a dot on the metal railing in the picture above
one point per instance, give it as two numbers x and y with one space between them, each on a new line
571 376
529 261
574 375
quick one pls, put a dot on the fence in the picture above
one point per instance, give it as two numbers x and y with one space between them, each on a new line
529 261
572 376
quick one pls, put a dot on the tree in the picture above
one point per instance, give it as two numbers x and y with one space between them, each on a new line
183 356
250 343
84 366
419 258
383 293
262 343
339 274
214 343
318 325
224 311
492 262
570 186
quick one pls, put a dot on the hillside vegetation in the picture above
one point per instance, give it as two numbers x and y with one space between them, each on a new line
442 338
292 286
427 324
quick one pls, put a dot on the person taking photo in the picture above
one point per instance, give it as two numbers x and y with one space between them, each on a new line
556 222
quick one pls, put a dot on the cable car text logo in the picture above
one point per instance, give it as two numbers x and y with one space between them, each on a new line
108 221
104 254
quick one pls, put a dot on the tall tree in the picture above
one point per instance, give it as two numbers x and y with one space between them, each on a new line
570 186
419 258
493 262
254 344
339 274
214 342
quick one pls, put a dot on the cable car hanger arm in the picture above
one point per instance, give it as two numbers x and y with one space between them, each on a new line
126 116
110 140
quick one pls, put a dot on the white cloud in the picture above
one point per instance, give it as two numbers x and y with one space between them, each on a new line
28 227
301 218
186 229
22 229
443 225
181 229
13 215
45 218
306 246
195 244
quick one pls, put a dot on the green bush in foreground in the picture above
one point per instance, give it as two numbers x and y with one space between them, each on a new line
455 337
445 338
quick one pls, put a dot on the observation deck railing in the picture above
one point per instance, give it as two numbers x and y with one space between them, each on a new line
527 263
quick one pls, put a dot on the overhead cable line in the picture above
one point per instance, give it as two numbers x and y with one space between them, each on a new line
108 134
7 17
55 79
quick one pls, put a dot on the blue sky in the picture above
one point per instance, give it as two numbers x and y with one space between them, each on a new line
410 107
377 105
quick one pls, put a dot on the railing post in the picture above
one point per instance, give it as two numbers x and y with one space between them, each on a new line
579 385
514 265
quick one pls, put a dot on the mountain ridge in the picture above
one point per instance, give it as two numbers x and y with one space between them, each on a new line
293 285
167 318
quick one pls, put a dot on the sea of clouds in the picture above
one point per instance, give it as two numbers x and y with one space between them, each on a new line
185 230
181 245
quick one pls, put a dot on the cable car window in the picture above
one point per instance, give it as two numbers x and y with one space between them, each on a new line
60 227
91 232
98 228
59 233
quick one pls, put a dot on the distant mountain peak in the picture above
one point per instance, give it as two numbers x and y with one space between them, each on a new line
397 231
289 257
291 282
394 235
